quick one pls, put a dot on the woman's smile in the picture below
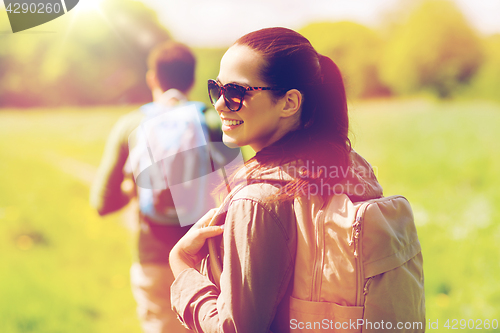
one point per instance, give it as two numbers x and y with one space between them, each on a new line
230 124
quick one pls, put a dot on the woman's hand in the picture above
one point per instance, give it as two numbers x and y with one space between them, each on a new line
189 249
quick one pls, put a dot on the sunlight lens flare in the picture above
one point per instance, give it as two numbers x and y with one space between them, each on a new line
89 5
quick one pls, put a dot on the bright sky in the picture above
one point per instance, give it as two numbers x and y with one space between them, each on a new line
221 22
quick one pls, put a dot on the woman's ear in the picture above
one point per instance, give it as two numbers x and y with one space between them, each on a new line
292 102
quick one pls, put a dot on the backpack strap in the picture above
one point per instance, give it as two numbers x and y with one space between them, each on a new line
214 258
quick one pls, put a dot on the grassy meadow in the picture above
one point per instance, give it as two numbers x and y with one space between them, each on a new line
444 157
64 269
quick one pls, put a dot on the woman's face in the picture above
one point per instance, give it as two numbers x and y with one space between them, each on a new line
259 121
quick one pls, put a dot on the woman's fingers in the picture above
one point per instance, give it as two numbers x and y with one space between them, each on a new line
211 231
188 250
198 238
194 240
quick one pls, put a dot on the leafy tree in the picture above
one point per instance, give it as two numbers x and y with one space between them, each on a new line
434 50
94 58
486 83
355 49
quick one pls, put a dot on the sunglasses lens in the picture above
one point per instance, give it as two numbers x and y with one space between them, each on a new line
213 91
233 98
233 94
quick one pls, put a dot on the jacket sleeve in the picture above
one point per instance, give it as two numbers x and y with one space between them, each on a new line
106 195
257 269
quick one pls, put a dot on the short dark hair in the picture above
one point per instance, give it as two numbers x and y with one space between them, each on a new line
174 65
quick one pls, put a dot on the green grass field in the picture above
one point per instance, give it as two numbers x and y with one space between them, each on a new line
63 269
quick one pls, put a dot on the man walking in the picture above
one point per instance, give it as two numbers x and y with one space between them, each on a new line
170 77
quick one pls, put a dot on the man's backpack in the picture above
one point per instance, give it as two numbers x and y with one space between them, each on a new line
358 266
171 162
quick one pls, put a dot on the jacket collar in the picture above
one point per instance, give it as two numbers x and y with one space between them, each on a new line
358 181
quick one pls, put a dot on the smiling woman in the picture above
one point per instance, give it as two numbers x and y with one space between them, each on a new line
291 109
275 93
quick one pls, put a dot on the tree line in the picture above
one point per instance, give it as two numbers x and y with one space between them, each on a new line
425 49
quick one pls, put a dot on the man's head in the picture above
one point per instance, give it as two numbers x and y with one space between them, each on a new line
171 65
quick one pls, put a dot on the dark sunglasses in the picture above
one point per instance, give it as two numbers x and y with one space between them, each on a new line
233 93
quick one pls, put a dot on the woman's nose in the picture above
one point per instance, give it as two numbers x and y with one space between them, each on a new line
220 105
